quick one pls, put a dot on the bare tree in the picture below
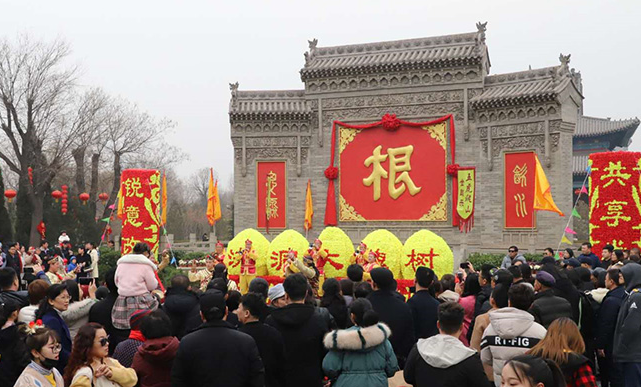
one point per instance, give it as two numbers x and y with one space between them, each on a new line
36 92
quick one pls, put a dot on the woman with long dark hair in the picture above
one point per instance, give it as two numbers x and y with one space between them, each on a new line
90 365
531 371
471 289
564 345
333 300
49 311
44 348
361 355
220 271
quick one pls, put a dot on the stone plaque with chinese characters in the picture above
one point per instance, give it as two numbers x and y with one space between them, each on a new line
271 189
519 173
140 189
615 200
393 175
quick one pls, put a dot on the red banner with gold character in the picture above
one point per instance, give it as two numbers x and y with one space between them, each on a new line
140 190
393 175
519 175
271 189
615 200
466 177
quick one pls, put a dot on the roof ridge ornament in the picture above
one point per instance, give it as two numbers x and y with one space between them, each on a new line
481 28
565 64
309 55
234 92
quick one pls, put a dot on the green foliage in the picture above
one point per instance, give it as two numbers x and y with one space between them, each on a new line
194 255
6 232
495 259
167 274
108 259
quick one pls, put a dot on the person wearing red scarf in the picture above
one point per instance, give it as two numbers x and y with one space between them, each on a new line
126 350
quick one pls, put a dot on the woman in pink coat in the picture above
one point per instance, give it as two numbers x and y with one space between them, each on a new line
136 279
471 288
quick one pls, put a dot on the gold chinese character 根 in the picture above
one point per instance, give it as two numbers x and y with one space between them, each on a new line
271 201
399 168
614 213
132 187
615 172
520 175
521 208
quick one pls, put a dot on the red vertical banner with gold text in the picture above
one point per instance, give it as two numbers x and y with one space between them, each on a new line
519 174
140 190
271 194
615 200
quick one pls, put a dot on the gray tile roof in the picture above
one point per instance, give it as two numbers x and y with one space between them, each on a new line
289 103
593 126
522 87
394 56
579 164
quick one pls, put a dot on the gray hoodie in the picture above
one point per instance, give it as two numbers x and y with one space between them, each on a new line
627 341
511 332
507 261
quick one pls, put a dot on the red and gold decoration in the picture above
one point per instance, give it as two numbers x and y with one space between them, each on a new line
42 229
466 178
84 198
65 198
259 243
388 248
615 200
271 178
10 194
279 248
391 170
519 175
140 190
425 248
103 197
339 249
56 195
30 174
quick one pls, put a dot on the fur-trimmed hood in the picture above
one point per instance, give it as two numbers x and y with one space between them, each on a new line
137 259
357 338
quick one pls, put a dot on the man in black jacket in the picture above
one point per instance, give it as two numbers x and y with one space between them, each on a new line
9 284
303 329
424 307
182 306
100 313
269 341
443 360
627 341
606 322
546 306
393 312
216 354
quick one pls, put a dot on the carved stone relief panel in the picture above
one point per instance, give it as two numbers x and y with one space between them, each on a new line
515 113
524 142
394 99
433 110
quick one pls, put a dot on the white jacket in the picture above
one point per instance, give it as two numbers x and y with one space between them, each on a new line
77 315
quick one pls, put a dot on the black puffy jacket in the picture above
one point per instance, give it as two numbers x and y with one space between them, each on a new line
183 309
547 307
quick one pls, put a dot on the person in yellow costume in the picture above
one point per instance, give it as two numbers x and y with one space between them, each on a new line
306 267
247 266
219 253
319 255
372 263
360 256
203 276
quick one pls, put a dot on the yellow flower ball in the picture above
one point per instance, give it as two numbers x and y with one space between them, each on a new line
340 249
278 249
389 247
425 248
259 243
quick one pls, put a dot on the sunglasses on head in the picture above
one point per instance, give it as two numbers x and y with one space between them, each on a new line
104 341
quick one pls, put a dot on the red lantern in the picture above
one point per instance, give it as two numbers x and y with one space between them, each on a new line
56 195
10 194
30 170
84 197
103 197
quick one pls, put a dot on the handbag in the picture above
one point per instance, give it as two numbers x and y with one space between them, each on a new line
99 382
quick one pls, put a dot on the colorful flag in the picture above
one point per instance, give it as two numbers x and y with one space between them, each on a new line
121 203
309 207
211 200
584 190
217 213
163 215
565 240
575 213
542 194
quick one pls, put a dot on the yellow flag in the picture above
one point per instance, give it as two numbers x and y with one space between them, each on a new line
217 213
309 207
565 240
210 199
542 195
163 215
121 204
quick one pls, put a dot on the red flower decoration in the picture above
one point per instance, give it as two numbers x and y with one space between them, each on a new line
31 324
39 322
331 173
452 169
390 122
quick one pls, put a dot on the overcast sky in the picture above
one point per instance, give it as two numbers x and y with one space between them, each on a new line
176 58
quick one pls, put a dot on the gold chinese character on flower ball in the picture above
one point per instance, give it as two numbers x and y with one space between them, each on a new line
399 168
520 177
132 213
614 213
521 208
132 187
614 172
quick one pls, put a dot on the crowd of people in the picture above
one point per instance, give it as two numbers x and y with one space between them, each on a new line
570 321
